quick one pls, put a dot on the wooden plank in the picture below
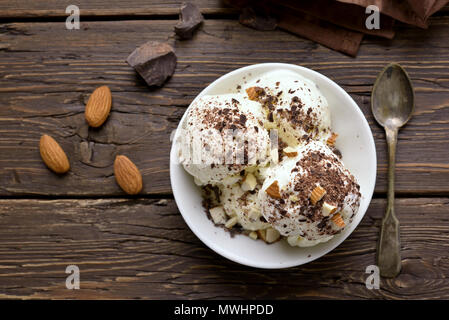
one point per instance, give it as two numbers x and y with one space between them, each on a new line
46 73
143 249
99 8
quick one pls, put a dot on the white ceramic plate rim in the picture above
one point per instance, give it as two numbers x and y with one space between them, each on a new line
308 73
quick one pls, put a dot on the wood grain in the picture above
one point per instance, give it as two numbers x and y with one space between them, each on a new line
47 73
143 249
99 8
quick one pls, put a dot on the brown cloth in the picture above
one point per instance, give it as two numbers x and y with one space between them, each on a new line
340 24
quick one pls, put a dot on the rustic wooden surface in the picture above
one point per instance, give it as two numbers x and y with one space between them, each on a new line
43 90
101 8
141 248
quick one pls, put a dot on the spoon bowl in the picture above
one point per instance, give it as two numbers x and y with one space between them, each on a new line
392 99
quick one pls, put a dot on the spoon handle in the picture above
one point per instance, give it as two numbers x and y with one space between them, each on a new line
388 254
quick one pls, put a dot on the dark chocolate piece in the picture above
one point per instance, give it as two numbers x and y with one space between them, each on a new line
256 20
190 18
154 61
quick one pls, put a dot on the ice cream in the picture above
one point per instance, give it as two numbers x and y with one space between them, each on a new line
293 105
301 192
223 135
310 196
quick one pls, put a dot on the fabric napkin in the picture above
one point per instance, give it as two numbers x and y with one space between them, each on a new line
337 24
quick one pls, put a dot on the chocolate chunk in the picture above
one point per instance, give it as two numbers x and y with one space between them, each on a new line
257 20
190 18
337 153
242 119
154 61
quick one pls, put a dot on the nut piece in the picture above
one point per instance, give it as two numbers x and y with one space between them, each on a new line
293 198
332 139
254 214
290 152
53 155
328 209
317 194
262 234
231 222
294 240
273 190
98 106
249 183
274 155
254 93
127 175
218 215
338 220
253 235
272 235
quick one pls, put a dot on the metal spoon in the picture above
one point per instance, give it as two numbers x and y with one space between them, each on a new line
392 103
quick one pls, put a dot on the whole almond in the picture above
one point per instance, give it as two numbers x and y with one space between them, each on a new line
127 175
98 106
53 155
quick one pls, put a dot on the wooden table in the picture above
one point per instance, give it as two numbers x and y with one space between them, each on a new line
140 247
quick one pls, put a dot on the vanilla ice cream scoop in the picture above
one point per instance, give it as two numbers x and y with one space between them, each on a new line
292 104
243 205
222 136
310 196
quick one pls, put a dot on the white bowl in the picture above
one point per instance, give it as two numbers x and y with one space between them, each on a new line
355 142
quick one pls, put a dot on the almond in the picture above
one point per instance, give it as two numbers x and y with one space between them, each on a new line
249 183
273 190
254 93
332 139
98 106
218 215
274 155
338 220
290 152
272 235
293 198
127 175
253 235
262 234
53 155
317 194
328 209
231 222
